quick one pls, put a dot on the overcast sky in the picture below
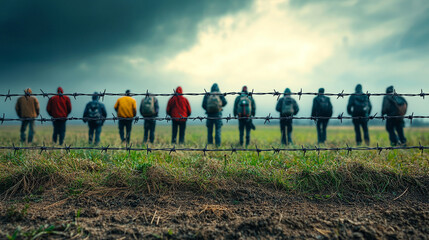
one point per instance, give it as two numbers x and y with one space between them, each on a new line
87 46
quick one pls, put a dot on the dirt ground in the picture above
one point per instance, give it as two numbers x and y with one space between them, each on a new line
243 213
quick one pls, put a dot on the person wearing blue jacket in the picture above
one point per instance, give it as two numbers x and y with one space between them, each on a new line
287 107
94 115
213 105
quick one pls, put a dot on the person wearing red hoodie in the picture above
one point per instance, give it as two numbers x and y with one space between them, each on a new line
59 106
178 108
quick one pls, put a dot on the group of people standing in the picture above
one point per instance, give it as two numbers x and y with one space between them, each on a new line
178 107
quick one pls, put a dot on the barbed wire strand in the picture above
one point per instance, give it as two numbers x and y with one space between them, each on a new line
274 93
205 150
228 118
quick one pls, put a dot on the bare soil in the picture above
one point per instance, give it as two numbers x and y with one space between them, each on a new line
242 213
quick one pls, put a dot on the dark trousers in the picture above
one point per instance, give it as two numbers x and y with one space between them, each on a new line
149 130
358 123
321 125
59 130
127 124
286 129
245 124
182 126
217 124
30 124
94 127
396 124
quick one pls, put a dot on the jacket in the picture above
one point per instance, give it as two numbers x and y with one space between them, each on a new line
126 107
237 100
156 105
351 105
178 106
317 110
214 89
280 104
27 107
101 110
59 106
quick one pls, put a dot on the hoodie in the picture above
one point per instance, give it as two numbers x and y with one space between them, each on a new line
59 106
178 106
126 106
101 109
27 106
358 99
214 89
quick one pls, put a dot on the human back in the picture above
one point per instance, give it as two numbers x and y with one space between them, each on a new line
126 107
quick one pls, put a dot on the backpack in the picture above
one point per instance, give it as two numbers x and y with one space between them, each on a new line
361 106
287 107
400 104
244 106
148 107
325 107
214 104
94 112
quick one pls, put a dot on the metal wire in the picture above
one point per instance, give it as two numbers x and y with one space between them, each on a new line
266 119
273 93
205 150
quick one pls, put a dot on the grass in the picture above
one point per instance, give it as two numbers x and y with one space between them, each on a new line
325 174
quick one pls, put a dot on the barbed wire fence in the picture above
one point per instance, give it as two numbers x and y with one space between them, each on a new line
205 150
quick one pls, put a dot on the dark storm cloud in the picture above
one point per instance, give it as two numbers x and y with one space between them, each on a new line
50 32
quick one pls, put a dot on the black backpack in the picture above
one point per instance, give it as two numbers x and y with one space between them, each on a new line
325 107
94 112
361 106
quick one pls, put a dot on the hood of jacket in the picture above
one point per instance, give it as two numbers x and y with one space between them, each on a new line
358 88
244 89
60 90
215 88
179 90
389 89
287 92
95 96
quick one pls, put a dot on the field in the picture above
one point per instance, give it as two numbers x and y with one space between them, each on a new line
131 195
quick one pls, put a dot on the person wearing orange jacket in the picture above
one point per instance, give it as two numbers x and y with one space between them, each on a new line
59 107
126 107
178 108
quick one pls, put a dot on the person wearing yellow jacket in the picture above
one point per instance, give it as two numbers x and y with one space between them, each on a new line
126 107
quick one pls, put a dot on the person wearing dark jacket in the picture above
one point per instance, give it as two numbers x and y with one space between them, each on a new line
149 108
178 108
59 106
287 107
27 107
322 107
244 107
360 106
390 108
94 115
213 105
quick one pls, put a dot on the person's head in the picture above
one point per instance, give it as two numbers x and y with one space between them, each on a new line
60 90
244 89
358 88
28 91
287 91
389 89
321 90
95 96
215 88
179 90
127 92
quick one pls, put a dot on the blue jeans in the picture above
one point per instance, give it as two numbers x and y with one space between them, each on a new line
245 124
321 125
286 130
127 124
59 130
149 130
94 127
217 124
30 124
176 125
